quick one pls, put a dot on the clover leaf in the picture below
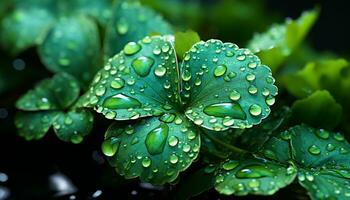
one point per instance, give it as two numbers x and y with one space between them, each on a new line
154 149
143 82
319 158
131 22
279 42
51 103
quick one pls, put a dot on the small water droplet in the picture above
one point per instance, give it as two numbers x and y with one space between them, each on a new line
160 71
254 171
220 70
315 150
250 77
270 100
146 162
235 95
174 159
131 48
186 75
117 83
323 134
255 110
173 140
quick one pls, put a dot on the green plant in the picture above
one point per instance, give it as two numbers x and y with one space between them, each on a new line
172 99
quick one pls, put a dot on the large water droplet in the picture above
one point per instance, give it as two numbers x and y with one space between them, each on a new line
131 48
121 101
142 65
255 110
232 110
254 171
230 165
315 150
220 70
110 146
156 139
117 83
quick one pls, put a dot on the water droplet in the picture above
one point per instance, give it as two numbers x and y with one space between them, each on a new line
339 137
220 70
315 150
68 120
241 57
100 90
76 139
160 71
173 141
252 89
198 81
230 165
122 27
117 83
156 139
174 159
254 171
255 110
235 95
157 50
270 100
110 146
250 77
142 65
323 134
254 183
167 117
121 101
131 48
186 75
198 121
146 162
227 121
186 148
330 147
232 110
252 65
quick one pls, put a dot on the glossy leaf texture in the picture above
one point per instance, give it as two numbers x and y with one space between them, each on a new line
318 110
46 105
322 159
225 86
142 80
72 46
152 149
24 28
279 42
253 176
131 22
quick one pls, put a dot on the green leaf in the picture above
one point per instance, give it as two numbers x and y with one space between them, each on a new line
59 92
132 22
252 139
322 159
226 87
314 76
198 182
184 41
99 9
319 110
281 40
72 46
142 80
24 28
74 125
151 149
34 125
253 176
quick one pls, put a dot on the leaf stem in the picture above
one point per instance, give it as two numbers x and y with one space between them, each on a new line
226 145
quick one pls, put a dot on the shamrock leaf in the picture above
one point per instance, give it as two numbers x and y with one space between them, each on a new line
279 42
253 176
184 41
142 80
155 150
322 159
24 28
225 87
45 106
131 22
68 45
311 110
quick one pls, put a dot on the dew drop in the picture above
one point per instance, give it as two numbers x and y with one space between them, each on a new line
160 71
323 134
146 162
254 171
270 100
255 110
232 110
186 75
121 101
174 159
156 139
142 65
220 70
235 95
173 140
110 146
315 150
131 48
117 83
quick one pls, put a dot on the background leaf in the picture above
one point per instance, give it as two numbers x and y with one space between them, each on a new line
132 22
69 44
151 149
184 41
318 110
225 87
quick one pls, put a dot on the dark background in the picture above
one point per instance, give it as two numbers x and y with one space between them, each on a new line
26 168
